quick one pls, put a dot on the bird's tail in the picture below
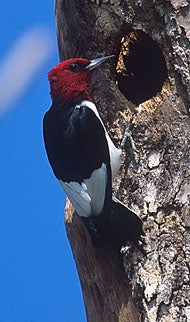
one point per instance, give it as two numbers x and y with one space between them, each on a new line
95 228
125 225
120 226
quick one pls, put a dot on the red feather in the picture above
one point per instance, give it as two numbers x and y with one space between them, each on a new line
67 85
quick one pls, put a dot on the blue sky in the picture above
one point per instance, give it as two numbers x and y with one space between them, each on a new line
38 278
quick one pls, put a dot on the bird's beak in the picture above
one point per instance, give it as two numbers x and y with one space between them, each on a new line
97 62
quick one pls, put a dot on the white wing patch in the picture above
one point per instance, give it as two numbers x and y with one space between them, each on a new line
88 197
115 153
115 156
78 196
96 186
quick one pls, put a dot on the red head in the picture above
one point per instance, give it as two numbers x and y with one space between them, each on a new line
69 80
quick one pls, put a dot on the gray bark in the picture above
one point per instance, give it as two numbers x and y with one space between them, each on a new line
156 287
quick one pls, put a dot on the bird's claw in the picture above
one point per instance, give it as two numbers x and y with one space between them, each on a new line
128 138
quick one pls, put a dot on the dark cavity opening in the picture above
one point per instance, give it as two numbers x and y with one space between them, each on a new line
141 68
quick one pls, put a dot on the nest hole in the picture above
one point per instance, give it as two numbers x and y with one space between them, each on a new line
141 67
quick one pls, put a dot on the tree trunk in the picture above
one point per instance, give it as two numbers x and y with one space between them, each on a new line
154 37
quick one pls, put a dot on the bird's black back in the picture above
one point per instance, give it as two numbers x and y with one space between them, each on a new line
75 142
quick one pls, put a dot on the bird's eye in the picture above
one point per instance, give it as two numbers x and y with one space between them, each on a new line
74 67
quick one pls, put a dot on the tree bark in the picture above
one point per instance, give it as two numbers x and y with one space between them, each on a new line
128 286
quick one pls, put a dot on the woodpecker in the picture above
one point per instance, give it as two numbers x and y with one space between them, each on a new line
83 156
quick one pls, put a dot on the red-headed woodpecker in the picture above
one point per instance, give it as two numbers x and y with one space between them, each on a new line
82 155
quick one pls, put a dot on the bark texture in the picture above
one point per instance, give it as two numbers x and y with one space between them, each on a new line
129 286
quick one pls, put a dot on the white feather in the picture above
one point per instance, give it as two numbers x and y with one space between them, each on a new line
96 186
115 156
88 197
115 153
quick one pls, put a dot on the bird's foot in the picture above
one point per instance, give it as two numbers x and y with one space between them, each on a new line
127 142
128 129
